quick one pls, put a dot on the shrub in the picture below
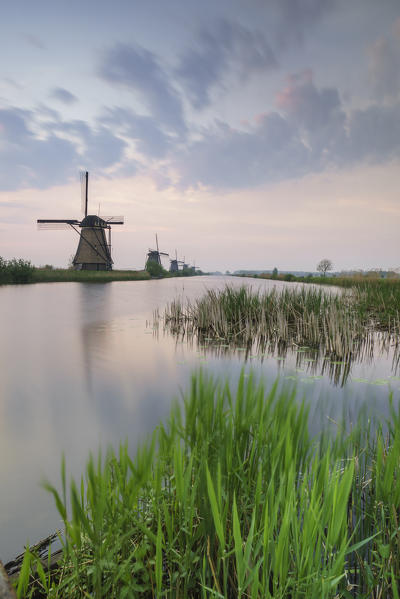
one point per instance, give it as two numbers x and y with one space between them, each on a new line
16 271
154 269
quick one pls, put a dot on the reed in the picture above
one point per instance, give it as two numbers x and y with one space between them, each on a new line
341 325
232 498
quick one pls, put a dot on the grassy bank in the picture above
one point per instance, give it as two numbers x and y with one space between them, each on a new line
60 275
232 498
18 271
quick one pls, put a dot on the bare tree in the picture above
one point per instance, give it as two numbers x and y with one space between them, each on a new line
324 265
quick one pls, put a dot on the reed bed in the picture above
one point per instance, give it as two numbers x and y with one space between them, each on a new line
231 498
342 325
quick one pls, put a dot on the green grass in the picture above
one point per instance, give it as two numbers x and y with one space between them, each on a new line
232 498
60 275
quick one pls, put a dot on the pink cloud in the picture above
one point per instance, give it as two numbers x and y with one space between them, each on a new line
288 98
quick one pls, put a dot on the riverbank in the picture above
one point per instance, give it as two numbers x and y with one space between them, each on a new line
232 498
19 272
60 275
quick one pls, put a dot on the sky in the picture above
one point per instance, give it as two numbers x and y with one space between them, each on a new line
248 134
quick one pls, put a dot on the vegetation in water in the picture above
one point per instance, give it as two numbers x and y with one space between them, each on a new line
231 498
375 295
339 324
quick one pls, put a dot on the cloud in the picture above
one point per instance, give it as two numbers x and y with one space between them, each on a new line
29 161
229 158
311 133
98 147
384 66
139 70
54 154
305 104
150 140
225 46
374 134
317 115
297 17
63 95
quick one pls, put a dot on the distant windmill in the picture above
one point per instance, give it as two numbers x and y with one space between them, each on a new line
155 255
174 266
185 266
94 252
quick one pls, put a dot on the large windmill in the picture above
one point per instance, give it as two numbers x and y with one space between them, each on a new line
174 263
94 250
155 255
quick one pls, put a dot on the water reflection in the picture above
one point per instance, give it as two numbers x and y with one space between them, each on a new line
316 362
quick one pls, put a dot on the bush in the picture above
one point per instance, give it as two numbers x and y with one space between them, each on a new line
154 269
16 271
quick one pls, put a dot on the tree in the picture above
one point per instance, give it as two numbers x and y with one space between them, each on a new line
274 273
154 269
324 265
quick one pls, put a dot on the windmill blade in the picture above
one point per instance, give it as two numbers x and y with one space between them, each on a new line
84 175
163 254
113 220
56 224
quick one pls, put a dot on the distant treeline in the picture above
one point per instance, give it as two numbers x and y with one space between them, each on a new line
359 275
342 279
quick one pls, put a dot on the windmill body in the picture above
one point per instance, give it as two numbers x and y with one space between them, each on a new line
93 253
155 255
174 263
94 249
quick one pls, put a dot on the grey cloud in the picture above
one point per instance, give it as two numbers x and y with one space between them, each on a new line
63 95
308 106
101 148
384 67
312 133
374 133
27 160
149 138
139 70
297 17
228 158
221 48
317 114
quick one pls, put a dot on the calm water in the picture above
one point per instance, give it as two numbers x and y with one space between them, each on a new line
83 368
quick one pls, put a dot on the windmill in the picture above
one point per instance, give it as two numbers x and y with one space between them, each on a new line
185 265
174 266
155 255
94 250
